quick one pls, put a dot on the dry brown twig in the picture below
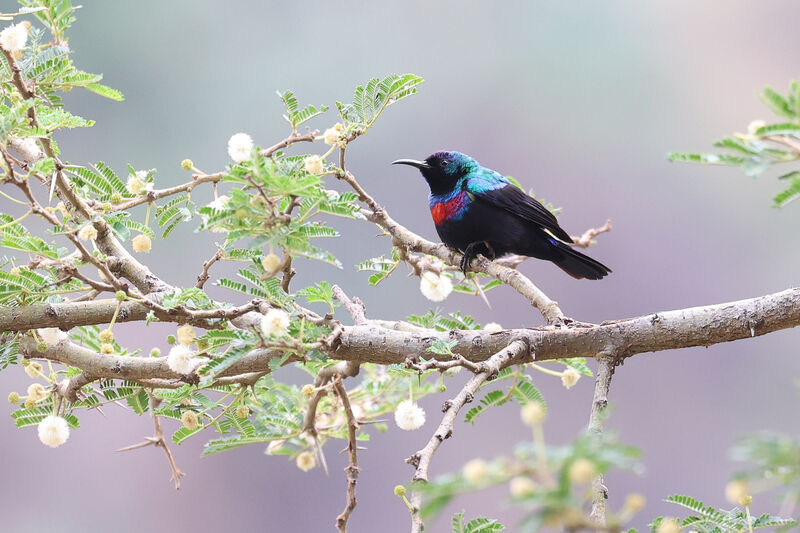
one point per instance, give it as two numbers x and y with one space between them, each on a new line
352 450
158 441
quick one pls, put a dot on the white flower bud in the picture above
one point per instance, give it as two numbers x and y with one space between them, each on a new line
409 415
142 243
533 413
475 471
53 431
36 392
313 165
135 184
305 461
569 377
186 334
271 263
331 135
521 486
13 38
51 336
435 287
581 471
87 233
181 359
275 323
492 326
240 146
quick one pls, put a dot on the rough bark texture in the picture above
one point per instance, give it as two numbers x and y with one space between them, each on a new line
697 326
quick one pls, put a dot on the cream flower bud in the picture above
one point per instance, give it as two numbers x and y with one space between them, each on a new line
738 492
669 525
242 411
13 398
53 431
142 243
754 126
305 461
240 146
275 323
37 392
475 471
634 502
51 336
435 287
13 38
533 413
33 369
189 420
106 336
581 471
521 486
106 348
409 415
271 263
187 164
186 334
331 135
569 377
181 359
135 184
313 165
308 390
87 233
492 326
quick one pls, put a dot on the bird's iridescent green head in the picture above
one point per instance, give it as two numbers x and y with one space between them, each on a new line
443 170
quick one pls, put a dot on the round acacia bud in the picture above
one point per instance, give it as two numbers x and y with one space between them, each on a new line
187 164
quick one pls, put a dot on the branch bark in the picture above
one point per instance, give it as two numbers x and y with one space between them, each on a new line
373 343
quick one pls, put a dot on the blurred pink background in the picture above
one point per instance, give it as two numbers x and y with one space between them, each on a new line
580 101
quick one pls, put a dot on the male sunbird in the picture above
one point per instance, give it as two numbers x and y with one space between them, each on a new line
479 211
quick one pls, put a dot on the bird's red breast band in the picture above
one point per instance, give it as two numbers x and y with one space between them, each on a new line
442 211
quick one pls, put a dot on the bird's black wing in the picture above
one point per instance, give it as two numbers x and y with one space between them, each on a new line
512 199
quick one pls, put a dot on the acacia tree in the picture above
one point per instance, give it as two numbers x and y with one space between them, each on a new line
222 373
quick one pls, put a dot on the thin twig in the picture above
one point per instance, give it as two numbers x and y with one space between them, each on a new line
158 441
599 403
586 239
352 446
203 277
515 352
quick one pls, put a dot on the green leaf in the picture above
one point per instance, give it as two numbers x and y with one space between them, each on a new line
791 193
321 292
786 128
492 399
777 103
442 347
139 402
707 159
105 91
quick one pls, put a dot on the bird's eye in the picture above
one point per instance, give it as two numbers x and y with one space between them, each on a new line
443 163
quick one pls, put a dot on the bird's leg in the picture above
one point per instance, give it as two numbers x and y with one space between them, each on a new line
469 254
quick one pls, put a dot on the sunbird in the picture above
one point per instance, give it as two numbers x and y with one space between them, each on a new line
479 211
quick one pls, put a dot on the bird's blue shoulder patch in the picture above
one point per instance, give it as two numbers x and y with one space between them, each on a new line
484 180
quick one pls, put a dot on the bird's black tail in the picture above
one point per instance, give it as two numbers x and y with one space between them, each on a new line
578 265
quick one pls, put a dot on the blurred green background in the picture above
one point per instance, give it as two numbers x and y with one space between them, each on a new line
579 100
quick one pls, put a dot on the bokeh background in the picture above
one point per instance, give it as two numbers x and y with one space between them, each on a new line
579 100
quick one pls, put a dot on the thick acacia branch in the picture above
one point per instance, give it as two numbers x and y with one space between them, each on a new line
373 343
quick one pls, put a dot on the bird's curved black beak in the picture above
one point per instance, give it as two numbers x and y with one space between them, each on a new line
422 165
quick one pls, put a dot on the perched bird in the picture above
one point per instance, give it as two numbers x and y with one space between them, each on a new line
478 211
